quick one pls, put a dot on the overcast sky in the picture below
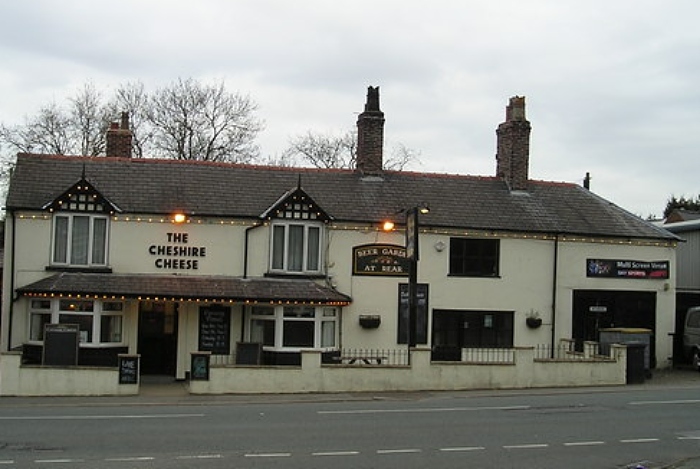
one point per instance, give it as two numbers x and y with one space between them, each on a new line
612 87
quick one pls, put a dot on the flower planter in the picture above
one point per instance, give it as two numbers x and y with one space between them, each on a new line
370 321
533 323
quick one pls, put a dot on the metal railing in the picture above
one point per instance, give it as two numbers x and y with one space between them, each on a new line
364 357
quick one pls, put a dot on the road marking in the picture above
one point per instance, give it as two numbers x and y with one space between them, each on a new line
398 451
689 437
133 459
682 401
201 456
531 446
8 461
267 455
336 453
463 448
420 410
584 443
104 417
57 461
640 440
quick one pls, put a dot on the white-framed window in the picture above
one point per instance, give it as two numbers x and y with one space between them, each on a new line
296 247
80 240
100 322
292 328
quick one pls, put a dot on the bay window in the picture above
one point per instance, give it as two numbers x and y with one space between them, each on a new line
292 328
99 322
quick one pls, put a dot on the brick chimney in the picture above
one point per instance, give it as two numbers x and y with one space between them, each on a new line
370 136
513 146
119 138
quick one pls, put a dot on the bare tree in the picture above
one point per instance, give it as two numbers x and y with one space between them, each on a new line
323 151
47 132
329 151
133 99
192 121
88 120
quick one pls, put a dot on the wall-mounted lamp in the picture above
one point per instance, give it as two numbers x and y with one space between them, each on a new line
440 246
388 225
179 218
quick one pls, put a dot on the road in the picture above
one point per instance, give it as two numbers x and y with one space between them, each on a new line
617 428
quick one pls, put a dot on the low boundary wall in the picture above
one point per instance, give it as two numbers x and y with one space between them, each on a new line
422 375
524 371
36 380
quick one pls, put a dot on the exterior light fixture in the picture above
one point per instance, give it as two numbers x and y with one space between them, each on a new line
179 218
388 225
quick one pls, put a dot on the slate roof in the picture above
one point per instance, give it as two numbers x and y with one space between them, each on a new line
150 186
214 288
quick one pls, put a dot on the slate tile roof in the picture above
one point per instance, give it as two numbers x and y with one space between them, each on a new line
215 288
150 186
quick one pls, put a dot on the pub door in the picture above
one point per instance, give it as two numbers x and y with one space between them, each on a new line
157 342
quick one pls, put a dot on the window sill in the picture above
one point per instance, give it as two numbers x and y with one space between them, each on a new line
65 268
295 275
473 276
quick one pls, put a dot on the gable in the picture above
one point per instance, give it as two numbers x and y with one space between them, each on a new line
296 205
82 197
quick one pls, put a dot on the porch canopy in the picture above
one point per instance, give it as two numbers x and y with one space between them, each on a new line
184 288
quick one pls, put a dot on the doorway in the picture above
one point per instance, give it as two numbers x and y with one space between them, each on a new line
594 310
157 342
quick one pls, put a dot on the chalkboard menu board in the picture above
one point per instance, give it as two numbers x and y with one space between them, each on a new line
215 329
61 343
421 314
200 366
128 369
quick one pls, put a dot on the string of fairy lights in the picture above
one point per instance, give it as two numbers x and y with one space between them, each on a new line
332 226
372 227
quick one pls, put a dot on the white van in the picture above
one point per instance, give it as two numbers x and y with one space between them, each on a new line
691 335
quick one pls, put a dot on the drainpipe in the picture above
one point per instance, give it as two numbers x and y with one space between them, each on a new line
11 303
555 273
245 247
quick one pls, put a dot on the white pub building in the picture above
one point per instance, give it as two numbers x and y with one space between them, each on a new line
144 265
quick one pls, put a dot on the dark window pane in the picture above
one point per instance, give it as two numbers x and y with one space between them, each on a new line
298 334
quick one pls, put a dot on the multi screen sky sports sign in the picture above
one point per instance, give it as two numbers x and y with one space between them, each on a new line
627 269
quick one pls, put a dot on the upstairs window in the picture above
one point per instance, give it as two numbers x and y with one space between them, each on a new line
474 257
296 248
80 240
80 227
296 238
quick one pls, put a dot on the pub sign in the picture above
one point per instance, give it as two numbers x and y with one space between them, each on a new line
387 260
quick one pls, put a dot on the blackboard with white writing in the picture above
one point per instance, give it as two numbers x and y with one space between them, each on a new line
215 329
128 369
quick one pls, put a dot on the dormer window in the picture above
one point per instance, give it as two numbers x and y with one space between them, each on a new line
80 227
297 227
296 247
